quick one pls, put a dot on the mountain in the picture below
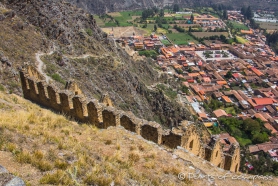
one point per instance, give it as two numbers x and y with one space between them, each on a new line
104 6
66 45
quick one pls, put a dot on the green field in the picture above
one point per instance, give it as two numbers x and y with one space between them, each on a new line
241 40
150 29
181 38
165 42
124 18
239 26
99 21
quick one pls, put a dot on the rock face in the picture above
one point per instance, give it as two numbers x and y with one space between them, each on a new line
103 6
7 179
76 48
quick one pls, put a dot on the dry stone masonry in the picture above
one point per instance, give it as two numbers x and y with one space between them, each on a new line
103 115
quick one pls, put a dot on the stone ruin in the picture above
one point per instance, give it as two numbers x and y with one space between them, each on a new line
102 114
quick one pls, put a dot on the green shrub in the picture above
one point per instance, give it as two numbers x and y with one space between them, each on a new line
2 88
58 78
148 53
89 31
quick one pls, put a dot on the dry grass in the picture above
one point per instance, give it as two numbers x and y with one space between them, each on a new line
46 148
124 31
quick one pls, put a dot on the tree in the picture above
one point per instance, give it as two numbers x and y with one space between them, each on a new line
223 38
155 10
253 24
251 126
243 11
225 15
259 137
184 89
249 13
147 13
155 28
229 74
192 18
161 13
117 22
176 8
190 29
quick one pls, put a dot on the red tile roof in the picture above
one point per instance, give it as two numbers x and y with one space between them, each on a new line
221 82
226 99
218 113
271 128
264 101
256 71
259 116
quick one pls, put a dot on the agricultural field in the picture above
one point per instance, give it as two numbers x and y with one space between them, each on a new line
123 18
99 21
239 26
150 29
208 34
186 25
181 38
269 26
165 41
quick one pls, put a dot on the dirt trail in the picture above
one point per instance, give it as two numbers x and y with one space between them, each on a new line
41 65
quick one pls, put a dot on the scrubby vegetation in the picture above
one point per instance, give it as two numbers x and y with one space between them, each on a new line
246 131
148 53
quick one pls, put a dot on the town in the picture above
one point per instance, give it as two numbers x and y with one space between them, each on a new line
230 87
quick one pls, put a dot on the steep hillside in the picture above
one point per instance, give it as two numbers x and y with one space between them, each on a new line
102 6
66 43
45 148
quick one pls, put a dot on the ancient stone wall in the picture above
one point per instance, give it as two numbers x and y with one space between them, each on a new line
232 159
192 141
103 115
217 156
172 139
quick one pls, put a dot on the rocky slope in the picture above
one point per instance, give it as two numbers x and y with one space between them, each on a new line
102 6
79 51
44 148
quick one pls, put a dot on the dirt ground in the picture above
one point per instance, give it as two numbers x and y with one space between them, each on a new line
208 34
269 26
123 31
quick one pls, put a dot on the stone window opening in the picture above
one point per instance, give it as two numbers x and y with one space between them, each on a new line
216 154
